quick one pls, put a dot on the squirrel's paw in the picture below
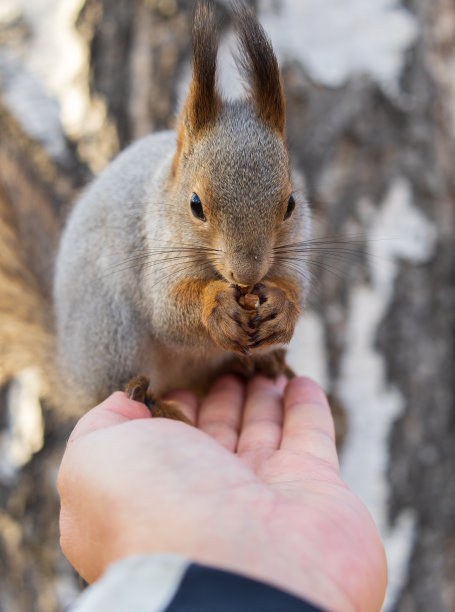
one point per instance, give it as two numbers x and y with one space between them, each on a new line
275 316
226 321
137 390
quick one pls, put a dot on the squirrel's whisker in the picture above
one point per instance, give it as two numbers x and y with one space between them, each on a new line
145 261
316 264
190 263
142 264
180 270
147 253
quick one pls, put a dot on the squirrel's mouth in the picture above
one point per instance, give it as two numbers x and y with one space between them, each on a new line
243 270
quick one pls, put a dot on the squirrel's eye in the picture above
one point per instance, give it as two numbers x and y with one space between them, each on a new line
290 208
196 207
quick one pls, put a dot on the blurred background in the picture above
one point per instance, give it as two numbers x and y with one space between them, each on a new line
370 91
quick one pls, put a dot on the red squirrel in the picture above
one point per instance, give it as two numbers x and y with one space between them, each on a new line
176 263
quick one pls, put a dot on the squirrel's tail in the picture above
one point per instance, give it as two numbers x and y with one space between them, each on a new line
30 224
27 338
26 334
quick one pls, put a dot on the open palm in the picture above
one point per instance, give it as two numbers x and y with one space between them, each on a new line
253 488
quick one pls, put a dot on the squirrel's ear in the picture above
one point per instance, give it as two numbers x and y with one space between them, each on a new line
203 103
258 63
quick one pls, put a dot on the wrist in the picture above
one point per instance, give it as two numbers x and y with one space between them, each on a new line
247 541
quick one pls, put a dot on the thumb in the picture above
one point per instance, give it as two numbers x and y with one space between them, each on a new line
115 410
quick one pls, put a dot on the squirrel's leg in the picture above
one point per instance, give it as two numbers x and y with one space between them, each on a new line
137 389
271 364
274 364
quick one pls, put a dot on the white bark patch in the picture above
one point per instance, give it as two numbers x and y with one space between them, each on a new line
25 433
307 354
37 113
341 39
56 57
9 11
398 230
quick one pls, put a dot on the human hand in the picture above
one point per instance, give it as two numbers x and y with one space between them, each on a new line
254 489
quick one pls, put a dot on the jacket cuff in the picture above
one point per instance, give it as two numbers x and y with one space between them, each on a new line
171 583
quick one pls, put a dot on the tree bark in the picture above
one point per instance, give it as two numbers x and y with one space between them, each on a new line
377 154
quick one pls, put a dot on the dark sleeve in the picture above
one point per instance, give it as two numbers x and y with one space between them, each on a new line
205 589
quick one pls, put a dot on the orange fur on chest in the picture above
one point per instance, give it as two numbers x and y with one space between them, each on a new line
189 293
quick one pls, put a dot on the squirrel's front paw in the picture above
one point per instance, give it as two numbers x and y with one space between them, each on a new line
226 321
276 315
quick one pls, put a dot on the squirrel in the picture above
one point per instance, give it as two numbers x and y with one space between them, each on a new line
176 263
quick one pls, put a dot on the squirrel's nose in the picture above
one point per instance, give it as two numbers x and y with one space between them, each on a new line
245 278
247 267
234 279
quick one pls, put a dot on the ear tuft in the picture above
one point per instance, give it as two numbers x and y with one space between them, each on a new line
257 62
204 102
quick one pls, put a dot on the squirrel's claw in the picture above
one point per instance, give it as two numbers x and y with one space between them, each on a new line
137 387
137 390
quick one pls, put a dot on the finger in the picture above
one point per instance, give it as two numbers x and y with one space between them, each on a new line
116 409
221 411
187 401
262 419
308 425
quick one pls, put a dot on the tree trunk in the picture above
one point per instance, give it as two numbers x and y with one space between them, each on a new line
371 125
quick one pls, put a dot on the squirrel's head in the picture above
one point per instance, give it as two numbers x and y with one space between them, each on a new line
231 172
